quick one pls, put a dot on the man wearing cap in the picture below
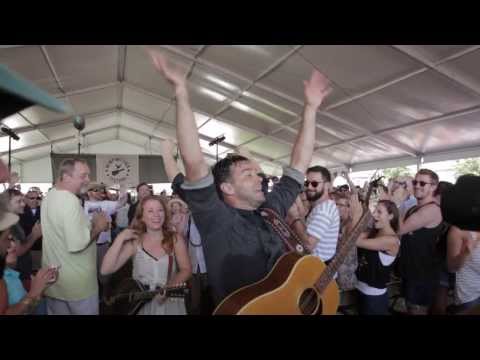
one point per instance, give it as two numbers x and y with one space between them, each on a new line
69 242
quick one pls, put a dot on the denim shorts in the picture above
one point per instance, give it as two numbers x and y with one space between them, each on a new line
372 304
420 292
466 306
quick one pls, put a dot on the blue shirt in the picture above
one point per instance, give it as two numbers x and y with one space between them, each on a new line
410 202
16 291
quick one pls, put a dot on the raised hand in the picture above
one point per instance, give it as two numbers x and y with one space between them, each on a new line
356 209
382 195
316 89
128 235
173 74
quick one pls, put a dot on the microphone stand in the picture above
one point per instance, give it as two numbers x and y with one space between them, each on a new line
11 134
217 141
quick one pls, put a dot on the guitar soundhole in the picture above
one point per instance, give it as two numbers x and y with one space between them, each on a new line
310 303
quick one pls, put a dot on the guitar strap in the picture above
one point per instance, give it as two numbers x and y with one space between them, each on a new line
291 240
170 267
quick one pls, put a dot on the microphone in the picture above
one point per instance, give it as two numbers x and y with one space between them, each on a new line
217 140
375 182
10 133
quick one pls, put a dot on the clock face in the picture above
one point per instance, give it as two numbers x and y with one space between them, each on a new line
117 170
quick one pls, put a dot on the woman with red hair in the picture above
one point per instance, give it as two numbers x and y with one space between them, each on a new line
156 251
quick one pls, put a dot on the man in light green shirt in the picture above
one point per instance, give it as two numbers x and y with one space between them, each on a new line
69 242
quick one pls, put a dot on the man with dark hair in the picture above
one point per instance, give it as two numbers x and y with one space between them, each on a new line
143 190
320 232
240 247
98 202
419 260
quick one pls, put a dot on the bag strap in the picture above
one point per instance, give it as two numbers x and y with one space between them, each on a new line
414 209
188 229
291 240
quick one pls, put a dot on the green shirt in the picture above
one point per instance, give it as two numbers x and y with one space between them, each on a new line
66 242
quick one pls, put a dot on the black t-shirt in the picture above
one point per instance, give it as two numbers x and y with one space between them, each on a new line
240 248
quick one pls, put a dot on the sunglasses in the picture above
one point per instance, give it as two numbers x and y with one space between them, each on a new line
34 198
313 183
421 183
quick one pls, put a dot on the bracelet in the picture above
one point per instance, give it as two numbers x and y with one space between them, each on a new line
30 302
294 221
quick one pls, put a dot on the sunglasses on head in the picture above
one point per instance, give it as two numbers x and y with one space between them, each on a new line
421 183
313 183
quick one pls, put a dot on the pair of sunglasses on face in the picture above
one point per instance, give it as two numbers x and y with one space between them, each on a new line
34 198
313 183
98 190
421 183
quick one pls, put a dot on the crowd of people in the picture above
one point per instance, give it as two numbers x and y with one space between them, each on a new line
211 235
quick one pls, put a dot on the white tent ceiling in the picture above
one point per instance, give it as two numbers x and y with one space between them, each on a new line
391 104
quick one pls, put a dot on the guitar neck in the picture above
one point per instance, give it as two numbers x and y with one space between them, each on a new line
329 273
148 295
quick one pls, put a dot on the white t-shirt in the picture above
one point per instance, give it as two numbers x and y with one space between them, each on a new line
323 223
195 249
122 216
106 206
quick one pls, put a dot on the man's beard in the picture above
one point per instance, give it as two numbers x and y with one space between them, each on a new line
315 197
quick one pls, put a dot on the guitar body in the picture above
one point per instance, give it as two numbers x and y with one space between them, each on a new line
281 292
124 305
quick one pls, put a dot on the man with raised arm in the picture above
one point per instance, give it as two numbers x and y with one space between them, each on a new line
240 247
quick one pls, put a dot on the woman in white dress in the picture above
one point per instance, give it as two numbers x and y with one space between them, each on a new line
155 249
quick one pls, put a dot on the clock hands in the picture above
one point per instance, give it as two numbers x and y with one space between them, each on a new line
115 172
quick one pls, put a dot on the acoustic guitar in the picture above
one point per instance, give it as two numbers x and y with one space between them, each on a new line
131 295
297 285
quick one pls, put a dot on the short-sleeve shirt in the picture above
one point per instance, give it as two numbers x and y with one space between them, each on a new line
66 242
323 223
16 291
106 206
240 248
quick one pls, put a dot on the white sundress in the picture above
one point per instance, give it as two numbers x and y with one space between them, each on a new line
153 273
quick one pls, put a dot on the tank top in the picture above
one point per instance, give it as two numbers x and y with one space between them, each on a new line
419 258
371 270
467 286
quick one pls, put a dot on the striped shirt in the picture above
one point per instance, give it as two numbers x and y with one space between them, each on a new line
467 284
323 223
